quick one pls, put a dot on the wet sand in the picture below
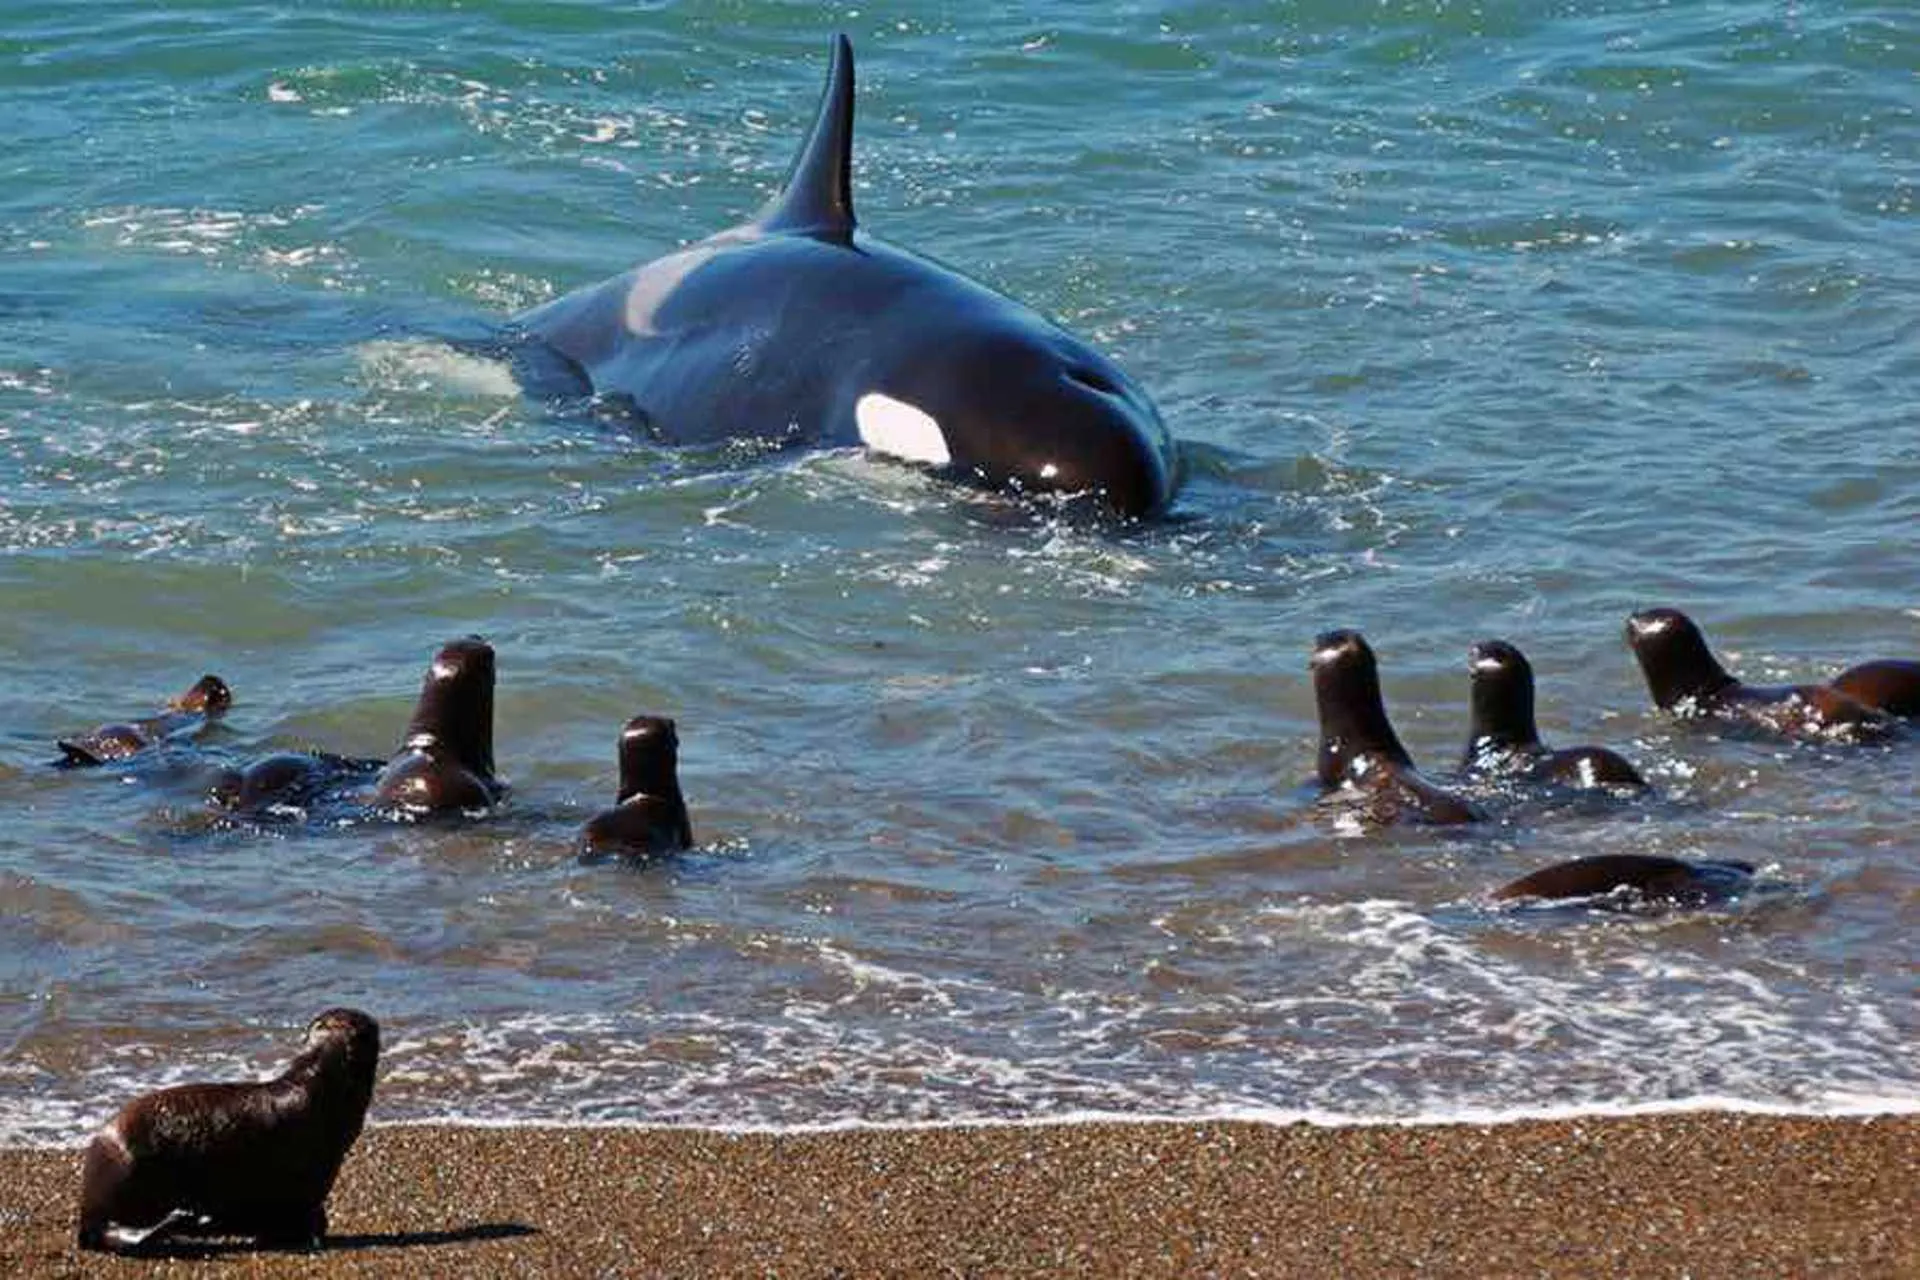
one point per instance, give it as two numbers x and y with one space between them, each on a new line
1701 1193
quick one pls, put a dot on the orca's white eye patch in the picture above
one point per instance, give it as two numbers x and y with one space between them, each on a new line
900 430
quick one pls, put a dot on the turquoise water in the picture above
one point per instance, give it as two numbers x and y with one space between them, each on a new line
1473 320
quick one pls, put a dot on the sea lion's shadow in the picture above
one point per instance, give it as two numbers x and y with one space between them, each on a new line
188 1249
426 1239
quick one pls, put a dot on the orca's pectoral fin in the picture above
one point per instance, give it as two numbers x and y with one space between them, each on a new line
621 412
544 372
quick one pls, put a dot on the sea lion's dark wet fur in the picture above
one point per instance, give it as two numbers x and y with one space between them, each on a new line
251 1160
292 780
1359 751
1891 685
1686 679
1505 739
1653 878
650 816
446 759
191 711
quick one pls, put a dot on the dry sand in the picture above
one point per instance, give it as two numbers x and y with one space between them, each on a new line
1705 1194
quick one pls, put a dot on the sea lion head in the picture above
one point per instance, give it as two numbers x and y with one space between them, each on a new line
356 1034
209 696
649 757
1502 696
343 1045
1674 657
455 710
1353 719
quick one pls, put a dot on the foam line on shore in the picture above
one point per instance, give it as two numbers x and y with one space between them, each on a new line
1835 1107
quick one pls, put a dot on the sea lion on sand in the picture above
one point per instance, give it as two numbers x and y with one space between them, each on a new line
189 713
446 760
253 1160
650 816
1359 751
1687 680
1891 685
1654 878
1505 741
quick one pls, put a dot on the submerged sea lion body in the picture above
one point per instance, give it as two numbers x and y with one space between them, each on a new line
1359 752
650 815
1687 680
253 1160
187 714
1891 685
1652 877
1505 739
292 780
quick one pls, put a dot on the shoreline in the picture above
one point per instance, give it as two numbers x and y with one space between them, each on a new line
1861 1107
1714 1192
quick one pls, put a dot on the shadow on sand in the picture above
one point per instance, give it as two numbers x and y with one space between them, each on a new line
191 1248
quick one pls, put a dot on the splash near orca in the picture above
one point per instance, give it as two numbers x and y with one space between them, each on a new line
799 327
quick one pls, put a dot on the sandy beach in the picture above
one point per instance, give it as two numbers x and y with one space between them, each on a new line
1709 1194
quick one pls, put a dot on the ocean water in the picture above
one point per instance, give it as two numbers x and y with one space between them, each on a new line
1474 320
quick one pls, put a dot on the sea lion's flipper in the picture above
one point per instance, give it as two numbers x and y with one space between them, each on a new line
76 755
132 1239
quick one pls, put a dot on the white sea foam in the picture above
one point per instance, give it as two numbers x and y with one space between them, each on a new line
1837 1106
418 365
1840 1105
1416 1026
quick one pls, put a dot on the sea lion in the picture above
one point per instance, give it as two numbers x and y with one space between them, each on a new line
1505 741
650 816
185 715
1359 751
291 780
1654 878
1688 681
253 1160
1891 685
446 760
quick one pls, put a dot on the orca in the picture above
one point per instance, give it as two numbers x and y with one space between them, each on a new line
798 327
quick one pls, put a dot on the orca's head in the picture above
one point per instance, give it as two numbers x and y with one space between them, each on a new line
1016 404
976 386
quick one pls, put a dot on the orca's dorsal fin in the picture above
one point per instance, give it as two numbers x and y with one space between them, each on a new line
817 199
